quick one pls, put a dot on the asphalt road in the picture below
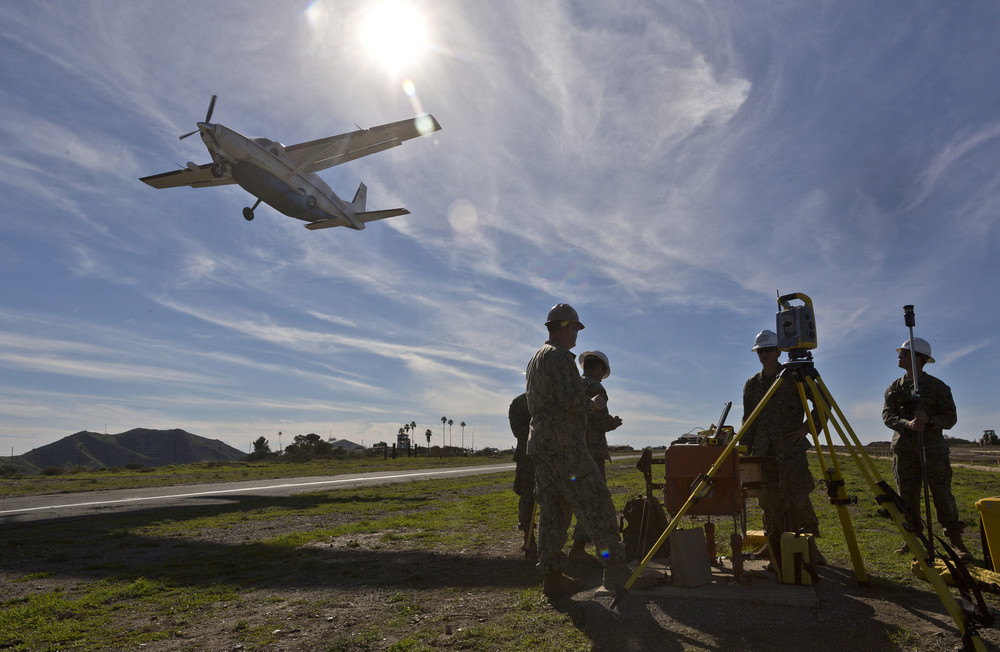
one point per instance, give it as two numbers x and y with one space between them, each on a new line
25 509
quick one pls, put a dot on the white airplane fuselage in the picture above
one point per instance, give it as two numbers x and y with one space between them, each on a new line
261 167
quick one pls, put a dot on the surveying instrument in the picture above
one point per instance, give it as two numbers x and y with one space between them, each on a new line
796 329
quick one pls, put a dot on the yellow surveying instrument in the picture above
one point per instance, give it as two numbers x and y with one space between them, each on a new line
796 328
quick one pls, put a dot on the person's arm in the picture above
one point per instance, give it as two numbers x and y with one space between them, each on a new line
940 407
894 402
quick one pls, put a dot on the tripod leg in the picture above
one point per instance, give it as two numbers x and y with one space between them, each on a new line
834 479
880 488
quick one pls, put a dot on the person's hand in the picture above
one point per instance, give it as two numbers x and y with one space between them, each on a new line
797 435
617 420
919 421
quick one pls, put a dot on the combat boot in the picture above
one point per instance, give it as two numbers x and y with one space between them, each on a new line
531 552
555 584
903 549
617 574
959 546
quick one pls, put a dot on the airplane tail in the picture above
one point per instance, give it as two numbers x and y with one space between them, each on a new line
359 219
360 198
362 217
358 216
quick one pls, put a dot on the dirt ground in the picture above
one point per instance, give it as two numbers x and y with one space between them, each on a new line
437 598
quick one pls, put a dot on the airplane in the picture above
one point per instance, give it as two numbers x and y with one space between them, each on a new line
284 177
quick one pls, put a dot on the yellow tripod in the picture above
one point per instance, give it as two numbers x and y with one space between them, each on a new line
811 388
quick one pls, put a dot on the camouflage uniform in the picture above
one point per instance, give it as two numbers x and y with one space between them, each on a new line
524 474
599 423
566 477
787 485
900 406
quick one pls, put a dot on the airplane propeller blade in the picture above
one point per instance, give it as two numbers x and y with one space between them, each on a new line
211 107
208 118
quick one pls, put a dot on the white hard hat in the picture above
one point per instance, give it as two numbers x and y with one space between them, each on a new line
919 346
765 340
596 354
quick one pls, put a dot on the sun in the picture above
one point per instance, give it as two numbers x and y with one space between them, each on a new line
394 33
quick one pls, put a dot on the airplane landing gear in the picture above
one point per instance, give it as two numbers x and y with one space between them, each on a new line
248 211
217 170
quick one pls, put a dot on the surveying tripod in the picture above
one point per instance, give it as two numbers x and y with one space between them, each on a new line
812 388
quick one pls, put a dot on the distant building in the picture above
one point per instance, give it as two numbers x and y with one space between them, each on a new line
345 444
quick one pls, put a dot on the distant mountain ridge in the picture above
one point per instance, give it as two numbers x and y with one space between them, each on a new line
150 448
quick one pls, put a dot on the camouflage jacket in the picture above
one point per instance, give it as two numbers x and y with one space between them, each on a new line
782 414
557 402
935 397
520 422
599 422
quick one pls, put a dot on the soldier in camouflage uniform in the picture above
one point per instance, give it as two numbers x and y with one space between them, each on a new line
935 414
524 473
595 369
567 481
781 432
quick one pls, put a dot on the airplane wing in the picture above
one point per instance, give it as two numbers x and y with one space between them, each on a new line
326 152
196 177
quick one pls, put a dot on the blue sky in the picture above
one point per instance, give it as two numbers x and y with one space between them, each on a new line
665 167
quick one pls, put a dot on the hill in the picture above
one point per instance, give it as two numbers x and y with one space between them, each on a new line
149 448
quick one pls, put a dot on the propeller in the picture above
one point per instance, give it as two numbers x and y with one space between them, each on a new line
208 118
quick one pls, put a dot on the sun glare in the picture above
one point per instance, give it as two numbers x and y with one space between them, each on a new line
394 33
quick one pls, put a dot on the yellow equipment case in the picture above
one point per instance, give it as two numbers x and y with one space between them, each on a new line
989 514
796 558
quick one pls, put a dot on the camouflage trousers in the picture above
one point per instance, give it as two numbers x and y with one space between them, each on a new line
524 487
785 496
579 532
909 480
567 484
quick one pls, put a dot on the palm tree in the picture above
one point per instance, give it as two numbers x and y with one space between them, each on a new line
413 428
427 433
463 434
444 420
450 440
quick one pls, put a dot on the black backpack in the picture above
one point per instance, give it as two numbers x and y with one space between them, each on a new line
642 523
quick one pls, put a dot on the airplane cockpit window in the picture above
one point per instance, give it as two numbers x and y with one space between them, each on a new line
270 145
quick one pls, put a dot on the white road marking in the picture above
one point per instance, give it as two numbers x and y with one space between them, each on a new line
363 478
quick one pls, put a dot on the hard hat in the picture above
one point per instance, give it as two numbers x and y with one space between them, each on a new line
919 346
596 354
563 312
765 340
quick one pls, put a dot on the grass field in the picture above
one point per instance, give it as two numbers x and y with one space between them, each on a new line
245 575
